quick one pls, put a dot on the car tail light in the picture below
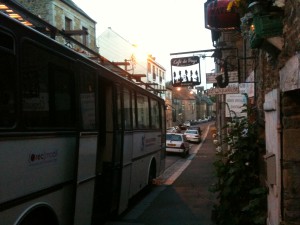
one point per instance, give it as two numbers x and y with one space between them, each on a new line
182 146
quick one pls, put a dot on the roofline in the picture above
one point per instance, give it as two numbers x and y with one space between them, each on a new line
78 9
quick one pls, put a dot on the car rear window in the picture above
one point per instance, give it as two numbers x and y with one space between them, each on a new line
174 137
191 132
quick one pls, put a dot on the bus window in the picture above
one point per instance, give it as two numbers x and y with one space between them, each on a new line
133 110
119 108
127 109
163 118
87 98
6 41
7 82
47 89
62 112
154 114
142 111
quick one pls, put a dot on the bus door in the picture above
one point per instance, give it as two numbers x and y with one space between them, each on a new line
107 190
87 147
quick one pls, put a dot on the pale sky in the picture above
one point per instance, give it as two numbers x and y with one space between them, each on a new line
160 27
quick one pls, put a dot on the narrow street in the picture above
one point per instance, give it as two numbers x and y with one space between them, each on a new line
181 195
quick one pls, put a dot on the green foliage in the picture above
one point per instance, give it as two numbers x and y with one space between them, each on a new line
241 197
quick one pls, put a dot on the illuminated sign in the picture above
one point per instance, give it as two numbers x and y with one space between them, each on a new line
186 71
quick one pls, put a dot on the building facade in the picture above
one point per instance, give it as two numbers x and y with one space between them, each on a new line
184 104
67 17
144 68
170 110
268 45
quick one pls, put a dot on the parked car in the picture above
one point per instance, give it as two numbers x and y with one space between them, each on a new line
196 128
187 124
193 135
177 143
182 126
173 130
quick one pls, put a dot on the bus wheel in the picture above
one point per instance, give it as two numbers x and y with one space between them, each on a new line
40 216
152 175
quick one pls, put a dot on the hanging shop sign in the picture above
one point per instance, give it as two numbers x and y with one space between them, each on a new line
233 77
186 71
230 89
236 104
217 17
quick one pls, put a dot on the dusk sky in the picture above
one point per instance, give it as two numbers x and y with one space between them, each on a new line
160 27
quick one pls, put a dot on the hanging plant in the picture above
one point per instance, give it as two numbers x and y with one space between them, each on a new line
232 3
241 6
246 23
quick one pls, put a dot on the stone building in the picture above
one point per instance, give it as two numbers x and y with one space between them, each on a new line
170 110
268 44
67 17
134 60
204 104
184 104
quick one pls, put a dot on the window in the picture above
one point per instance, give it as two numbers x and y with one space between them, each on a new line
127 110
149 67
160 76
174 137
163 117
142 111
88 98
133 110
119 108
68 23
7 82
47 89
153 73
154 114
84 36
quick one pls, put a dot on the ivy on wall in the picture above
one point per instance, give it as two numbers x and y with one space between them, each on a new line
241 196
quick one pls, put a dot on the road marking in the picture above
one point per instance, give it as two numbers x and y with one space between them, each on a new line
145 203
183 166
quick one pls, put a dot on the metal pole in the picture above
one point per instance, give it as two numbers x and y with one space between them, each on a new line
206 50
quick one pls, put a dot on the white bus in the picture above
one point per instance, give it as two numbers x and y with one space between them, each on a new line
77 141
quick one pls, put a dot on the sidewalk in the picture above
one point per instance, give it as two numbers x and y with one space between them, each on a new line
182 198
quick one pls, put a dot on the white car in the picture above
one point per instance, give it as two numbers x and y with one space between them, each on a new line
177 143
187 123
193 135
173 130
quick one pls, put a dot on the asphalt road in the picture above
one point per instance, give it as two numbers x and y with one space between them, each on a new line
181 196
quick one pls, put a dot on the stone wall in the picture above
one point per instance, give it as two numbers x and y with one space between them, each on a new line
291 157
291 121
267 78
54 12
41 8
291 28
